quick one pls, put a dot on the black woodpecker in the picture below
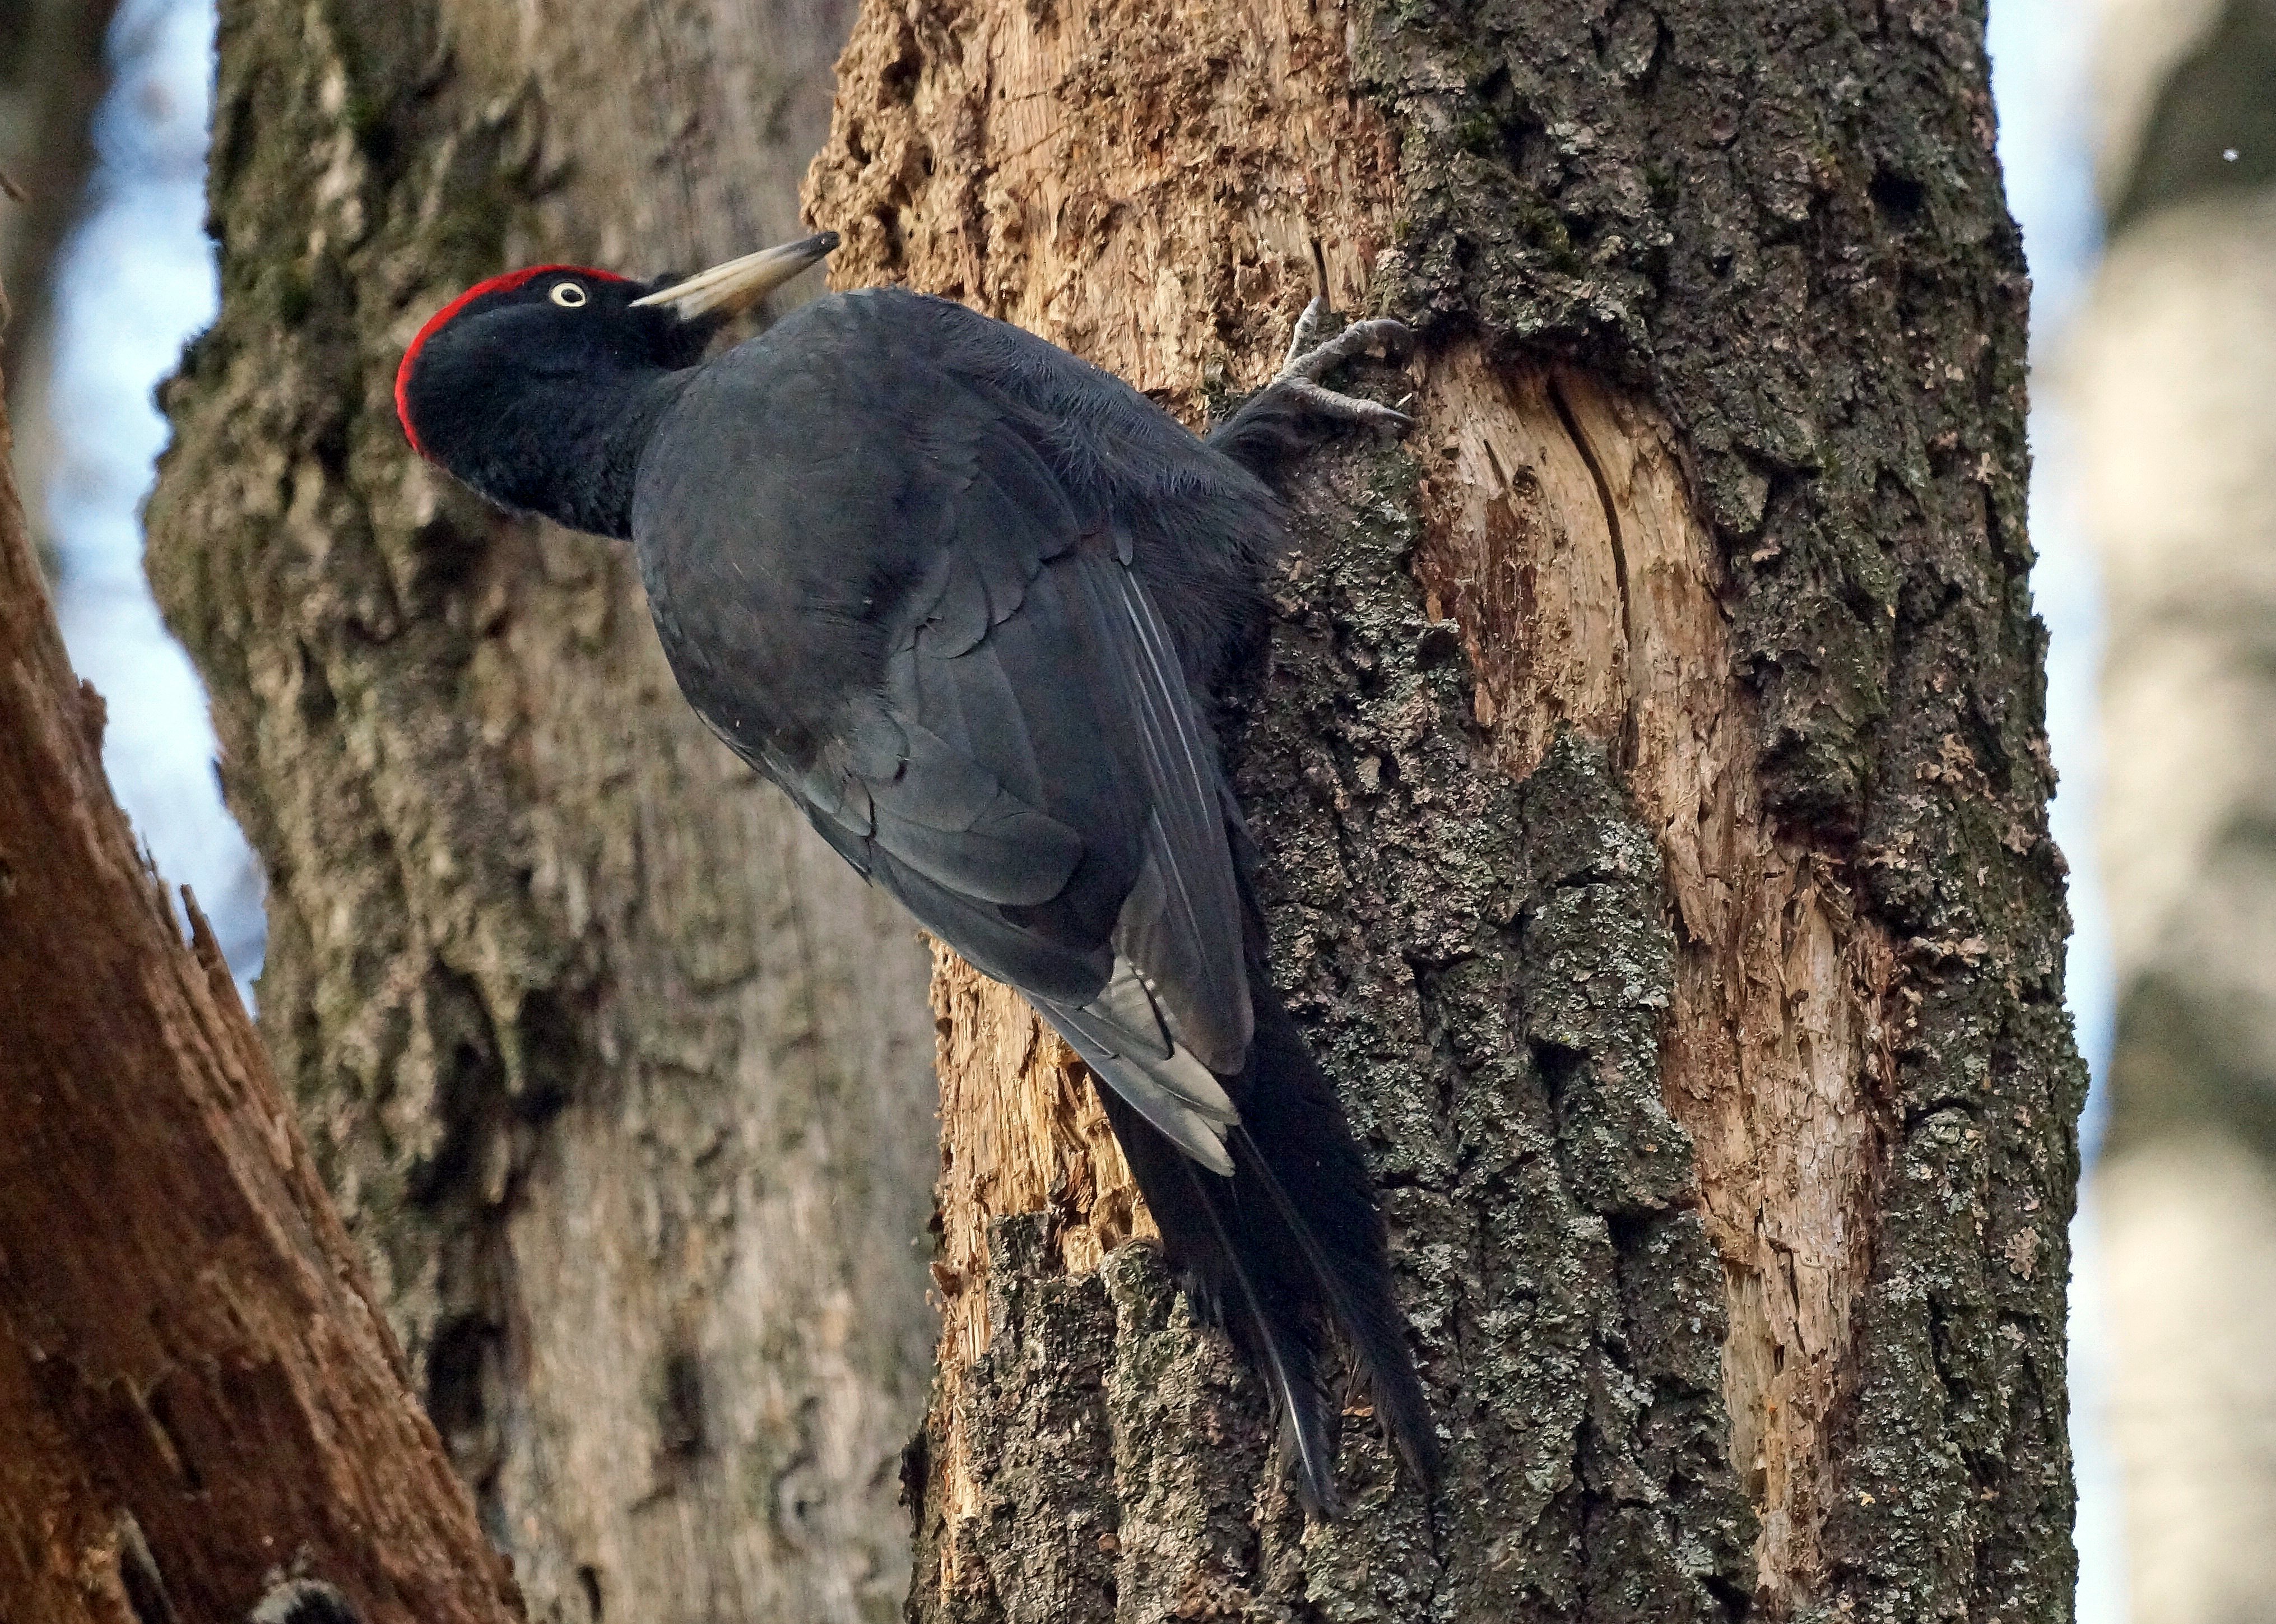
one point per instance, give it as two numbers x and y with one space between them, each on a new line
957 592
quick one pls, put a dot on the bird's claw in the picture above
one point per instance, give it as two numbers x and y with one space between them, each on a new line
1308 360
1307 330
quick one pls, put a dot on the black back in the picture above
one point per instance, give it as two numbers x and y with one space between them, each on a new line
936 650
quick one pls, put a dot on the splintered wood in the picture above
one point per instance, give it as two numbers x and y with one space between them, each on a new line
1142 181
1040 1144
1565 545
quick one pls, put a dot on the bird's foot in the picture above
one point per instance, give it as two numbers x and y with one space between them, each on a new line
1309 360
1280 422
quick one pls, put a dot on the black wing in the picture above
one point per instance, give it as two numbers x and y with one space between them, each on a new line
1005 739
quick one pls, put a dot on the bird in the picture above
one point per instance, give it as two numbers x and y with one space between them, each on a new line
964 596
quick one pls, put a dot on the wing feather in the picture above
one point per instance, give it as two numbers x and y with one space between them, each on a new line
979 701
1182 924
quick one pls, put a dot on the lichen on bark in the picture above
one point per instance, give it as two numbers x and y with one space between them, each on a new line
1486 968
1784 224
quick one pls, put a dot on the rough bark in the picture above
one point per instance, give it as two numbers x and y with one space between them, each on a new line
621 1078
2168 377
1649 768
197 1389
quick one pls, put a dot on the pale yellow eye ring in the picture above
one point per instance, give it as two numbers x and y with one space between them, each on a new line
568 295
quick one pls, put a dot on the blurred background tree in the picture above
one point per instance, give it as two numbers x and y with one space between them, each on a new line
2172 380
51 76
621 1078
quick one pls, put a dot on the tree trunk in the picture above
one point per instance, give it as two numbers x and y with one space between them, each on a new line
618 1073
196 1388
2169 381
1650 771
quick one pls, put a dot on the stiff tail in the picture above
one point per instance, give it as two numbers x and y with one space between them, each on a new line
1287 1250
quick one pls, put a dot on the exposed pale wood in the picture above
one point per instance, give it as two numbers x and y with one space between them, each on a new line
1177 226
1020 1131
1566 543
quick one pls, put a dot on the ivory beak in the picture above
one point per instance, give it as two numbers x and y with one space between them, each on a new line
739 284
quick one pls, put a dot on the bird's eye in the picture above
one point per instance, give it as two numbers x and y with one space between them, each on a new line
568 294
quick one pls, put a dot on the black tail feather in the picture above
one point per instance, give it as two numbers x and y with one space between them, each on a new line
1286 1347
1312 1171
1288 1248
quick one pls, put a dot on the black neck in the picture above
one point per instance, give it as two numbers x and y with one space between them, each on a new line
568 447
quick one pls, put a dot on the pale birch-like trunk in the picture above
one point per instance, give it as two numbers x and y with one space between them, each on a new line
2169 376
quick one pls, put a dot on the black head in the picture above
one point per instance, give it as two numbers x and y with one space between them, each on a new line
515 386
538 388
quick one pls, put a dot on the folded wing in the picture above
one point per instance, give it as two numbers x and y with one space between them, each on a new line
1030 775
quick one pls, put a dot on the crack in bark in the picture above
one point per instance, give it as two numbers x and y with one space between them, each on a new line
1611 513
